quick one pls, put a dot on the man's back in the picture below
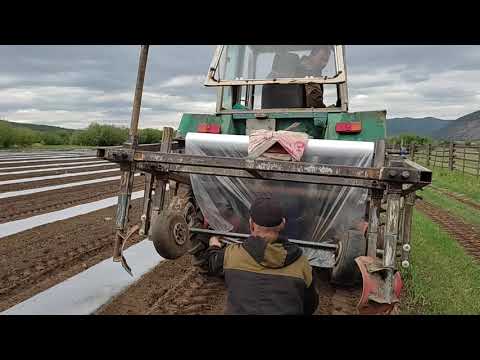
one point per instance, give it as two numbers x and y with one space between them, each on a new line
263 277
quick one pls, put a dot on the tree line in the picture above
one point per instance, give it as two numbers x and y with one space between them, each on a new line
95 135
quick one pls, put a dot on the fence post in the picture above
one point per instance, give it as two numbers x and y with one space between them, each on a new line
429 152
450 156
412 151
478 163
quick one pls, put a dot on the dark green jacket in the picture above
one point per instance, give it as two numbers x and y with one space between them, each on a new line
265 278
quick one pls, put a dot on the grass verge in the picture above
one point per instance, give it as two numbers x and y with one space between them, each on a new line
457 182
467 213
442 278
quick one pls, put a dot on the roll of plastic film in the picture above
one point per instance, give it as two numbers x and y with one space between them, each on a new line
314 212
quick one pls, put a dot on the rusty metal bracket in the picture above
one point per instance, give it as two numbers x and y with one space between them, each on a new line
120 242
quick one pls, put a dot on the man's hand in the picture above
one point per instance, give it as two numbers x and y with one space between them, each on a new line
215 241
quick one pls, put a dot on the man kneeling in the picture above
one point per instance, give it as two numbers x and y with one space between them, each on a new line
266 274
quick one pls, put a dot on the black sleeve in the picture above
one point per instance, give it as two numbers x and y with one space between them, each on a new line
310 302
215 257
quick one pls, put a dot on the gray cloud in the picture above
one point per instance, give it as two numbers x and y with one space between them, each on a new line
74 85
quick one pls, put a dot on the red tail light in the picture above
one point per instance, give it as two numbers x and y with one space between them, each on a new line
348 127
209 128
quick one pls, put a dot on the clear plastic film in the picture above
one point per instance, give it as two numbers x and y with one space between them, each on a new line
318 213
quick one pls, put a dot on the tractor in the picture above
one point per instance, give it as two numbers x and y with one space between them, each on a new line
349 201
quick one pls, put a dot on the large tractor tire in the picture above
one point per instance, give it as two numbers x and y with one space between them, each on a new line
345 271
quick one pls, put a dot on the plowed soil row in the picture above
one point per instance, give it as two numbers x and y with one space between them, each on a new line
52 162
456 196
56 172
336 300
174 287
67 180
466 234
20 207
27 167
37 259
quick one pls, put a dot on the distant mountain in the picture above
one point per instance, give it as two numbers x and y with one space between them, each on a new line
464 128
415 126
42 128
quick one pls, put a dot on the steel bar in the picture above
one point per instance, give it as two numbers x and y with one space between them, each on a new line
147 201
128 172
262 175
177 162
373 221
310 244
161 183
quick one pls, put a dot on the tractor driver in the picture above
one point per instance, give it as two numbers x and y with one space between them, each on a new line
266 274
313 65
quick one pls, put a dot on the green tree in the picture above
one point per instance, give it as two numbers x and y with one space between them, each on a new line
150 136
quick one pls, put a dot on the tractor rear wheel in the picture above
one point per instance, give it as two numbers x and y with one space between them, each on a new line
345 271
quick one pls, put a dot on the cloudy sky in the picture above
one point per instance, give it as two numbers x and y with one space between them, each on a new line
71 86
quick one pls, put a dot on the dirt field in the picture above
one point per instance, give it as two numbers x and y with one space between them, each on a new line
176 288
20 207
37 259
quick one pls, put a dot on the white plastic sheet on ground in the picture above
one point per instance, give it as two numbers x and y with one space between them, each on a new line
87 291
49 177
55 164
10 194
14 227
314 212
6 162
56 168
40 157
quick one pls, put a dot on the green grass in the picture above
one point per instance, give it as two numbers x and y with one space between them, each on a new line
442 278
457 182
456 208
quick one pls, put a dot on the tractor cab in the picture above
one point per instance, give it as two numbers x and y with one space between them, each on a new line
273 87
269 77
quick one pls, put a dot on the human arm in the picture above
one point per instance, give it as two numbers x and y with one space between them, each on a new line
215 256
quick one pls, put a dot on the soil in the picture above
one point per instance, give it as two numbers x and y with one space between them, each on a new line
456 196
20 207
57 172
67 180
466 234
52 162
28 166
37 259
174 287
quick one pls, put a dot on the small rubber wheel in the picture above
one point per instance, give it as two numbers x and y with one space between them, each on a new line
345 271
170 234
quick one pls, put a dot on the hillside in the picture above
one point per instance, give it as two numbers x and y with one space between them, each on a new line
417 126
35 127
464 128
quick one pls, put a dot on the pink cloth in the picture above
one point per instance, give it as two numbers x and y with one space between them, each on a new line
261 141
